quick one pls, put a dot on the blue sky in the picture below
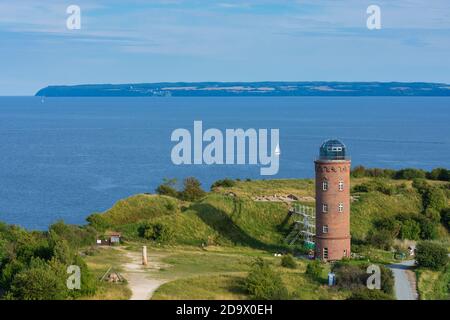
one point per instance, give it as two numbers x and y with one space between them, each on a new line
207 40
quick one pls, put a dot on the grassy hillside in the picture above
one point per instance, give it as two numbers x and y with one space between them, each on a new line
230 216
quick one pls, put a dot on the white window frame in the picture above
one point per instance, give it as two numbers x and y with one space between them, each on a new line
324 208
340 207
341 185
324 185
325 229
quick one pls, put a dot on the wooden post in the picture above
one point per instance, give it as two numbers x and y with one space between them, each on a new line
144 255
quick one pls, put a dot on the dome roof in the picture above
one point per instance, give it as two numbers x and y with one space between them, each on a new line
332 150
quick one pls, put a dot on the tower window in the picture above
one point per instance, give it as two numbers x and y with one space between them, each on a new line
324 208
325 185
325 253
341 185
345 252
341 207
325 229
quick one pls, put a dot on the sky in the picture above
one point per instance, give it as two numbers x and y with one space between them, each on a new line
208 40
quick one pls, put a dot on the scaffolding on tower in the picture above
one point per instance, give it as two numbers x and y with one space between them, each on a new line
304 228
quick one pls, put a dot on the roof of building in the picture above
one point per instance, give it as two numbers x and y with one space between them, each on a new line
333 149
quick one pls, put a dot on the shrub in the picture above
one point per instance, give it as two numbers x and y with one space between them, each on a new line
367 294
410 174
439 174
381 239
314 270
288 261
428 229
410 230
167 188
225 183
262 283
432 214
349 276
192 190
434 198
431 255
158 232
98 222
40 283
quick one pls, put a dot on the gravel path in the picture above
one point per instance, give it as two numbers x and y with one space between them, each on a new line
405 280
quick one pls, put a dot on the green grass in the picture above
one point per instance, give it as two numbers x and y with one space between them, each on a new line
220 275
433 285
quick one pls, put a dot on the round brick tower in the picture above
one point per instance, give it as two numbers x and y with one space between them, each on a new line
332 202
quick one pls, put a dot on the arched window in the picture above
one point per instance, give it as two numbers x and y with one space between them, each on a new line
341 207
324 185
341 185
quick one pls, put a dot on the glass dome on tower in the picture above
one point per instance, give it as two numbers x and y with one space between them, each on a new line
333 150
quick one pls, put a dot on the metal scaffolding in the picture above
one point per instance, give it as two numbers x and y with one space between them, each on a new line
304 228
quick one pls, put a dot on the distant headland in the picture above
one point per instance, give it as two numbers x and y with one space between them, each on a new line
242 89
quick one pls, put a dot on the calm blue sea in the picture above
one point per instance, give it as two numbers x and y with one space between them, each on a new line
68 157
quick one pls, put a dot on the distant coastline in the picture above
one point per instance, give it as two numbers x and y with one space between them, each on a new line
242 89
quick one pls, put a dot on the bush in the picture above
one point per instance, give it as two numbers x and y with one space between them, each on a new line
439 174
40 283
167 188
192 190
314 270
431 255
410 174
262 283
350 277
98 222
428 229
434 198
288 261
366 294
158 232
225 183
381 239
410 230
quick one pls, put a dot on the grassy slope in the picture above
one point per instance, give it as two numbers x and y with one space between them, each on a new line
434 285
227 221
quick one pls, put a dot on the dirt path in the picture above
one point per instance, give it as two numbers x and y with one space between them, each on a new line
141 279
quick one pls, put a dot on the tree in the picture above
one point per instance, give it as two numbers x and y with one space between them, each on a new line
192 190
40 283
410 174
167 188
431 255
439 174
262 283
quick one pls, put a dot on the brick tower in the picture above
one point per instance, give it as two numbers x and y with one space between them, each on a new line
332 202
